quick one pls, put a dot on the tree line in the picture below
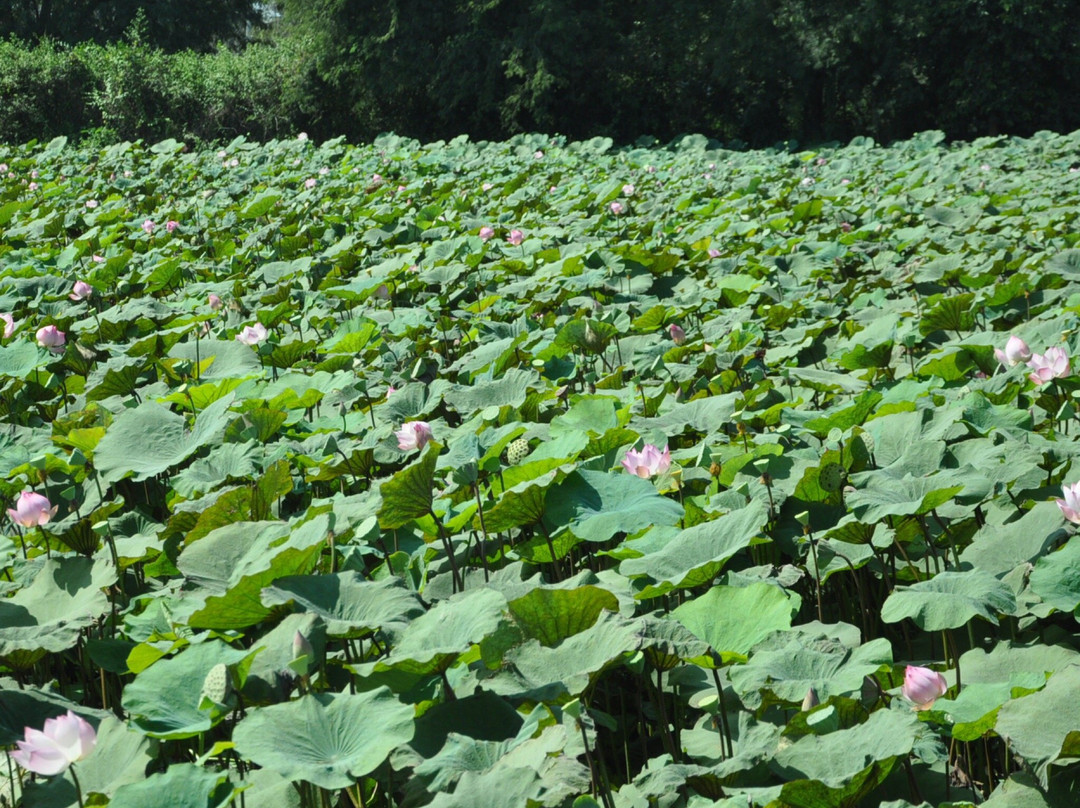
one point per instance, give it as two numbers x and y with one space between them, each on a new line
741 71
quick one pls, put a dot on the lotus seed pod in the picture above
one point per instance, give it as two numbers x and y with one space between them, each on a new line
831 477
216 685
517 451
867 441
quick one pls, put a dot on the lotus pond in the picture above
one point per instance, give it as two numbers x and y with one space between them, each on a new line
540 474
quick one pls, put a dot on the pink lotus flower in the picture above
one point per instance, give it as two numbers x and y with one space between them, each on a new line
91 203
922 686
214 301
1054 364
538 155
678 336
376 178
9 325
302 136
324 171
628 190
1016 351
617 208
486 233
647 463
97 259
81 291
32 510
34 174
390 390
252 334
845 227
63 741
487 186
516 237
52 338
33 186
310 183
171 225
148 226
234 162
714 253
413 435
1070 506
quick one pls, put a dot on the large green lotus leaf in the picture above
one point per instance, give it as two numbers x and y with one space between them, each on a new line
220 359
502 787
482 715
1045 726
696 555
19 358
974 712
150 439
269 677
791 670
589 414
1056 577
343 737
998 549
65 596
595 505
552 615
351 605
1022 790
435 639
706 415
1025 666
408 494
163 701
29 707
571 666
733 619
182 785
841 768
949 600
885 495
236 460
234 580
508 391
523 504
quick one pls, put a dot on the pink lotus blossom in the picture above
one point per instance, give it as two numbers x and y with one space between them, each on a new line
34 174
714 253
324 171
32 510
127 173
171 225
650 169
222 154
376 178
845 182
3 167
52 338
845 227
302 136
390 390
9 324
487 186
516 237
97 259
1070 506
1054 364
413 435
538 155
214 301
64 740
647 463
91 203
252 334
922 686
1016 351
678 336
310 183
81 290
617 208
234 162
33 186
486 233
148 226
628 190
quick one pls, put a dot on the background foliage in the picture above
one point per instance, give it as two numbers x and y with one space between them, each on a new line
737 70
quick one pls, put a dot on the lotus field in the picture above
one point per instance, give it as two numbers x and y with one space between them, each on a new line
540 474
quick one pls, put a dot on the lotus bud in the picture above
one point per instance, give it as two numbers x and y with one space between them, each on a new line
923 686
